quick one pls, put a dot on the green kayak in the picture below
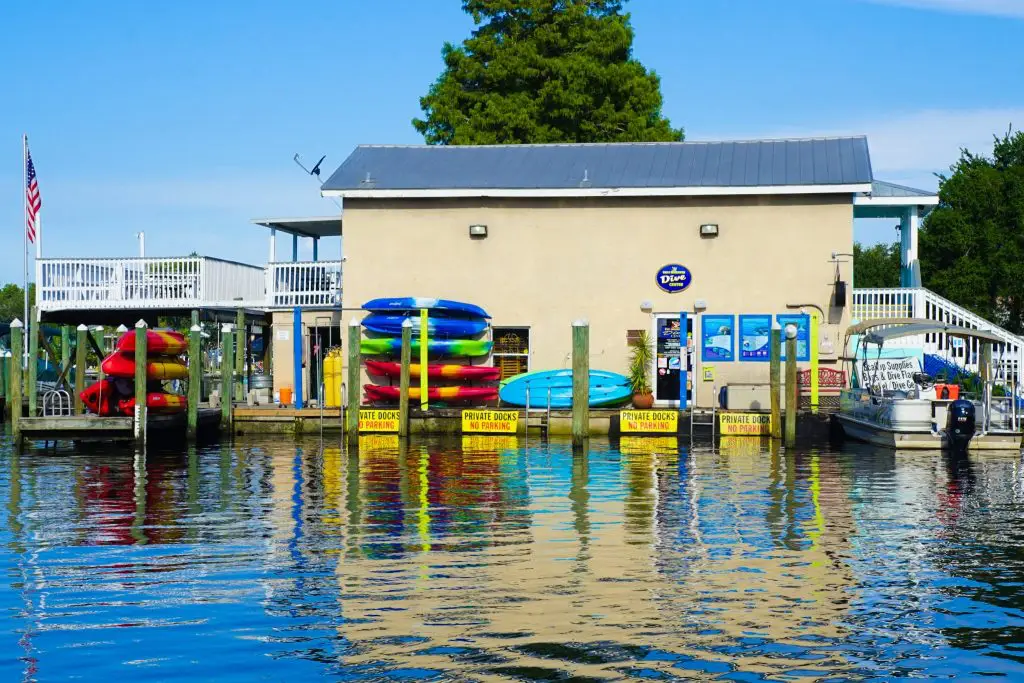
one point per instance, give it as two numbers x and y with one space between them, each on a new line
445 348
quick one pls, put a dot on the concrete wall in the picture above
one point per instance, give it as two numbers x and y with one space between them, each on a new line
548 262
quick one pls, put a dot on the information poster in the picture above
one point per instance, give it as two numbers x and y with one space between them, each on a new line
649 421
490 421
803 334
378 420
755 338
717 338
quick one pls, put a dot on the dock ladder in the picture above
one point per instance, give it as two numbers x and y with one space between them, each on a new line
538 417
702 417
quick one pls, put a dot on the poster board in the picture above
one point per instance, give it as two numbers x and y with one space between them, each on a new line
803 334
755 338
717 338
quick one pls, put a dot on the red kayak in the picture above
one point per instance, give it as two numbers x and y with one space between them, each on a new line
156 402
478 373
104 391
376 393
122 364
158 342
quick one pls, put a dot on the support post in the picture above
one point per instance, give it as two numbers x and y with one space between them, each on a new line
241 343
775 378
33 364
815 389
297 353
316 248
141 361
3 383
354 370
424 356
403 383
985 375
65 348
195 318
195 379
17 334
580 382
81 347
792 390
227 371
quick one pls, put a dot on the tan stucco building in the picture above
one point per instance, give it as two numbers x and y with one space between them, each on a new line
544 235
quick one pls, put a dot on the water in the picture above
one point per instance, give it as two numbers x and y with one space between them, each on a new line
478 560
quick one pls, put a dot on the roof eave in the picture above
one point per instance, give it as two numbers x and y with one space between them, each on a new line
564 193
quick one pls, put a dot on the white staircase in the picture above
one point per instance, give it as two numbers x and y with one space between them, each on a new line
918 302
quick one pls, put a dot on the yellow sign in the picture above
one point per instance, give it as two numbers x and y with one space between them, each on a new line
648 421
378 420
745 424
709 373
490 421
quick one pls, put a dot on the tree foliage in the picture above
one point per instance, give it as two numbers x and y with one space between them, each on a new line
876 266
972 244
12 302
542 71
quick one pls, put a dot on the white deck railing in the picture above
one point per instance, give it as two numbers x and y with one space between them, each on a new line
309 284
925 304
112 283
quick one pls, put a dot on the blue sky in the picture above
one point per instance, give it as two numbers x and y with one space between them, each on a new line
181 119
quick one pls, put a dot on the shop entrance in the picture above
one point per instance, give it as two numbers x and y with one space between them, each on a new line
321 338
672 369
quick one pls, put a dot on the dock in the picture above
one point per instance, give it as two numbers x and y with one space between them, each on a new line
113 429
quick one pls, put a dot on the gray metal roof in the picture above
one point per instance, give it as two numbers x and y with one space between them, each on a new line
317 226
744 164
880 188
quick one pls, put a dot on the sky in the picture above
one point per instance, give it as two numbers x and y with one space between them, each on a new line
182 119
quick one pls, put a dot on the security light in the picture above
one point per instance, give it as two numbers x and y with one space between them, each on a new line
709 230
478 231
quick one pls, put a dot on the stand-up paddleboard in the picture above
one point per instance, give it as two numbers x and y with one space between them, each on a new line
407 304
477 373
122 364
387 346
384 394
156 402
158 342
606 388
391 324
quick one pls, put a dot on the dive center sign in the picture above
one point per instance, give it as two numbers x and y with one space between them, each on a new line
888 374
673 278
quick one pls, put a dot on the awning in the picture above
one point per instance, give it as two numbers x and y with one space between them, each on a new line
316 226
888 333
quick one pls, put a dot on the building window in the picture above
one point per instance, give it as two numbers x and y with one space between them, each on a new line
511 350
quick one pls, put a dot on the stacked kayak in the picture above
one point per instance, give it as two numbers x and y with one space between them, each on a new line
453 331
115 394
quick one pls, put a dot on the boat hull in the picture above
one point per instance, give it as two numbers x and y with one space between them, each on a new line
383 394
478 373
391 324
606 388
408 304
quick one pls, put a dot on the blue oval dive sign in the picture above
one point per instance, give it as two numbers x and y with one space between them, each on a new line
674 278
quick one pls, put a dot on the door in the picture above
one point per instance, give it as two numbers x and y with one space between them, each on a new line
673 369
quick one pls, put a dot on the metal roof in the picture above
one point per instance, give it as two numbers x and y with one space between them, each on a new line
318 226
880 188
821 164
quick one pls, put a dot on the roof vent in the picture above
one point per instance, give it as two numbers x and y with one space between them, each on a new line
368 182
586 179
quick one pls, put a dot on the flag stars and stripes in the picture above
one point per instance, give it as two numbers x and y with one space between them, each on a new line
34 201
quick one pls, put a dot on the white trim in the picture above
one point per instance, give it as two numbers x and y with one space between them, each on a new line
540 193
931 200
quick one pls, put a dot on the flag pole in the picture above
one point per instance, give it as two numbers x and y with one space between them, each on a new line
24 232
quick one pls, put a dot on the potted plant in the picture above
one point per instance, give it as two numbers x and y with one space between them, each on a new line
641 356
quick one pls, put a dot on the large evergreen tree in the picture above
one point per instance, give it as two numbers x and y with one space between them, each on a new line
537 71
972 244
876 266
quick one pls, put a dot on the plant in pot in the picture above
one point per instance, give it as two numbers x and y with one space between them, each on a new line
641 356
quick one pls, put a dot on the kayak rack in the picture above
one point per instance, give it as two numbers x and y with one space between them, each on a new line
538 417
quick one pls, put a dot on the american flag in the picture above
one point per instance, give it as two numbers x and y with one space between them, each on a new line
33 201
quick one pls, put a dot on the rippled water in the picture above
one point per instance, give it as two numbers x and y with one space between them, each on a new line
484 560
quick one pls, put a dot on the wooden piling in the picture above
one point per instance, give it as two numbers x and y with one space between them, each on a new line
17 335
80 350
775 378
33 363
141 394
352 381
241 340
3 382
580 382
985 375
65 349
792 390
195 378
403 395
227 372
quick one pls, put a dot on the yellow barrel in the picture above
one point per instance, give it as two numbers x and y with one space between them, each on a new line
330 373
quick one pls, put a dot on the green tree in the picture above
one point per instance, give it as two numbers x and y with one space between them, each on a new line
876 266
537 71
972 244
12 302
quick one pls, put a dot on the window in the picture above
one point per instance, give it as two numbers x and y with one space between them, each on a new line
511 350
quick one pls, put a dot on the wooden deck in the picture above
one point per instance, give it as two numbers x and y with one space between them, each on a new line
96 428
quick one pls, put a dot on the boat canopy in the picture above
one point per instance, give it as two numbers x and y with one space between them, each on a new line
865 325
881 336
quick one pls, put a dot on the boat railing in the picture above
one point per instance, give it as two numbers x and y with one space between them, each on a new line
309 284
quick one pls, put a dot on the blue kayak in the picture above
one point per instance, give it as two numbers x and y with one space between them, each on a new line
409 304
391 325
606 388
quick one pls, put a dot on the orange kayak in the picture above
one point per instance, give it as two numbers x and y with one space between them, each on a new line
122 364
479 373
158 342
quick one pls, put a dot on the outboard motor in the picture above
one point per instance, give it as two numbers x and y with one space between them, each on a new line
960 424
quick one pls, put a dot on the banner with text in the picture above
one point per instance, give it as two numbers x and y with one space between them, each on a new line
888 374
649 421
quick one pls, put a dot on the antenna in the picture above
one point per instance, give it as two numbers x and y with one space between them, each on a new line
315 171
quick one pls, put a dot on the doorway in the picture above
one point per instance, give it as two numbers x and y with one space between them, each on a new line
673 365
321 338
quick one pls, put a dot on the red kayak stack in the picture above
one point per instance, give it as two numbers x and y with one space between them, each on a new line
115 395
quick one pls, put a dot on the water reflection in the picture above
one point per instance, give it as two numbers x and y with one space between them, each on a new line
487 559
